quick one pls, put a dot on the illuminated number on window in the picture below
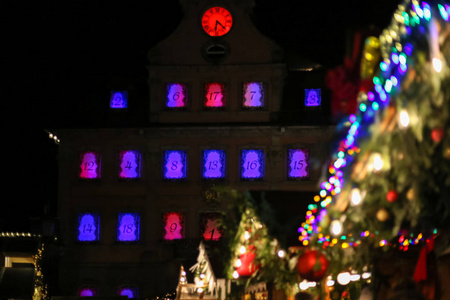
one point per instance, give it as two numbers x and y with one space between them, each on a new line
174 164
210 230
252 164
90 165
253 95
312 97
214 93
213 164
176 95
173 226
297 163
128 227
119 99
130 164
88 225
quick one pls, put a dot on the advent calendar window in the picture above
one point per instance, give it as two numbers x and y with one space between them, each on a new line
252 164
173 226
118 99
88 227
213 164
87 292
209 226
129 291
130 164
214 95
298 163
128 227
90 165
313 97
174 165
176 95
253 95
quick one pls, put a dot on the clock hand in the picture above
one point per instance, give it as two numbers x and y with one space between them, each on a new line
217 22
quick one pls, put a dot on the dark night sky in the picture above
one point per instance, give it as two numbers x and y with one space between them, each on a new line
57 53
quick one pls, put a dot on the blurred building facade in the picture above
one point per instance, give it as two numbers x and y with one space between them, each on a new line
226 106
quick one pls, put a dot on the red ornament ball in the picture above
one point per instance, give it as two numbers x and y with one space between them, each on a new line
392 196
312 265
437 134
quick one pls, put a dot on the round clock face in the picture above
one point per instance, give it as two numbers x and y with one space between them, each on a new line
217 21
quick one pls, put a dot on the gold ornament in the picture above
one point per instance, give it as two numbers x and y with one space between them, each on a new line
447 153
410 194
382 215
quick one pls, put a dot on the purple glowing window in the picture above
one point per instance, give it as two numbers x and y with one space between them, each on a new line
253 94
88 227
130 164
130 292
312 97
298 163
128 227
213 164
252 164
87 292
173 226
214 95
176 95
174 164
90 165
210 230
119 99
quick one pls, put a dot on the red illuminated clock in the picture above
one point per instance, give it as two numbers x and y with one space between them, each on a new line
217 21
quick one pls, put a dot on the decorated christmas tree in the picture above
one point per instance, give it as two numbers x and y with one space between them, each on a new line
388 182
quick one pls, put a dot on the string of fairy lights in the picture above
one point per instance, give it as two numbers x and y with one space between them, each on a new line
396 51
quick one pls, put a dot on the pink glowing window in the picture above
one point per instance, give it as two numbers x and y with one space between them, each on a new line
173 226
213 164
128 227
252 164
87 292
312 97
174 165
298 163
90 165
130 164
176 95
209 226
88 227
119 99
214 95
130 292
253 95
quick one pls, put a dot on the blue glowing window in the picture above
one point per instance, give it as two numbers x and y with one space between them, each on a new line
88 227
253 94
214 95
90 165
128 226
312 97
174 164
87 292
252 164
130 292
130 164
298 163
119 99
173 226
213 164
176 95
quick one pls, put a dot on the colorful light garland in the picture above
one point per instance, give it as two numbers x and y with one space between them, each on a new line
410 17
